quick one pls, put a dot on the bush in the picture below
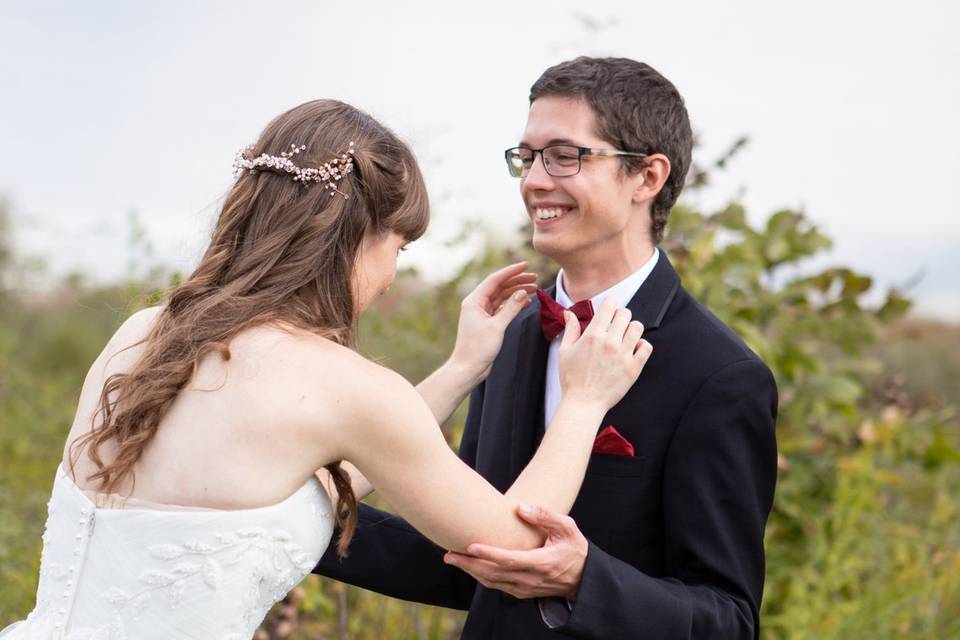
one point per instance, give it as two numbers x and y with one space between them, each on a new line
863 537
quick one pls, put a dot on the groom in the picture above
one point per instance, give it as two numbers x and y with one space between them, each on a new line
665 539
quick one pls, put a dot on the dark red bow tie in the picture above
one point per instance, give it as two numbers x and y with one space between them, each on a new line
551 314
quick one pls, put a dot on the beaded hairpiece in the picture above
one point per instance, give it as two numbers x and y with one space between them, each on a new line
328 175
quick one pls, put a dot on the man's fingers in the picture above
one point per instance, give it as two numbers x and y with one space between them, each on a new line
481 567
490 575
504 559
509 559
547 520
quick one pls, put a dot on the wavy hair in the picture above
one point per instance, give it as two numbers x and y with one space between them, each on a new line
281 252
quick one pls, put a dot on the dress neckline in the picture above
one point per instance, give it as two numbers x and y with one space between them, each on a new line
160 507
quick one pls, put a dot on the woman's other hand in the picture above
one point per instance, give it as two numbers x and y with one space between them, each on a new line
603 363
485 314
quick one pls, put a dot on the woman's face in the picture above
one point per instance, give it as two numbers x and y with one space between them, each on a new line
376 266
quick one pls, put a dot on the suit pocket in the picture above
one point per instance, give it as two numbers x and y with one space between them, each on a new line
616 466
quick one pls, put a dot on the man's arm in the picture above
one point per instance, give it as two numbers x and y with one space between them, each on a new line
718 487
389 556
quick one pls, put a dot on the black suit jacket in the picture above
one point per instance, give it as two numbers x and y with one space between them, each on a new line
676 532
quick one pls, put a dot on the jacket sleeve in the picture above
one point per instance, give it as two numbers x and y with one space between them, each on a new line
389 556
718 485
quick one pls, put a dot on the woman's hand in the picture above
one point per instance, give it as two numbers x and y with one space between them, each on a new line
599 366
485 314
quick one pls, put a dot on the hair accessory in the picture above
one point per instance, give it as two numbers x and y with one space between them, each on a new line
329 175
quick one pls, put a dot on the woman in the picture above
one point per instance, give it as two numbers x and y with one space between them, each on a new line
187 505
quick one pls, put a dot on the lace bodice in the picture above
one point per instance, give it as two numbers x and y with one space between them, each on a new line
150 574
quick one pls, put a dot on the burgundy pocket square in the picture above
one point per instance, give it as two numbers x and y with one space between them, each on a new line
609 442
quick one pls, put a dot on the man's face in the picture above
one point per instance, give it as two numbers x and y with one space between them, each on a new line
597 218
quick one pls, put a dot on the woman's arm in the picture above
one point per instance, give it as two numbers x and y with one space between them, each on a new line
484 316
395 442
444 389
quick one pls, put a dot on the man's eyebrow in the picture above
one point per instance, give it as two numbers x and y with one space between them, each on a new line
524 143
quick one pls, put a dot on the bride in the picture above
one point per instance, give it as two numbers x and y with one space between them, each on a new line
187 502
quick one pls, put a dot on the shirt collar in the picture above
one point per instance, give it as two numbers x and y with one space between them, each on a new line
622 292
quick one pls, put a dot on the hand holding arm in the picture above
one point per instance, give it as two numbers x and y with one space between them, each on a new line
555 569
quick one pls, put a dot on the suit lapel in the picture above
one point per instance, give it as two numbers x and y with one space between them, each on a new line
528 389
650 303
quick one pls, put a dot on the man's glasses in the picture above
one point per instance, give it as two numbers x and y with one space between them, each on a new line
559 160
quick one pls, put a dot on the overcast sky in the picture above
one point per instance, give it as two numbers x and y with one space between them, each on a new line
110 107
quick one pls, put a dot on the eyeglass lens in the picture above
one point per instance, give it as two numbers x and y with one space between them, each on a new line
559 160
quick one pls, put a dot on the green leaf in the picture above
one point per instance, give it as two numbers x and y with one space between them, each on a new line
940 451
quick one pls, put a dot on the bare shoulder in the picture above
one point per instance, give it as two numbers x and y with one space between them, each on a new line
134 328
338 397
122 350
355 377
118 356
361 408
125 344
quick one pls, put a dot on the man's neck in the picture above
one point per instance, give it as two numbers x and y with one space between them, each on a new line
583 280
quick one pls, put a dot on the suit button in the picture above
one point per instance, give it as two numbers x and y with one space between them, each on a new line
508 599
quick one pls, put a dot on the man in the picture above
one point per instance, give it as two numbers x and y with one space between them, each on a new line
666 537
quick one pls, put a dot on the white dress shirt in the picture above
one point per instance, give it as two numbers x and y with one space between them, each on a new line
622 292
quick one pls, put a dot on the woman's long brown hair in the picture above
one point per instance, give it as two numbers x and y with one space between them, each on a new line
281 252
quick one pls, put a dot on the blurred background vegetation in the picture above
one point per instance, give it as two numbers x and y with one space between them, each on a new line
864 538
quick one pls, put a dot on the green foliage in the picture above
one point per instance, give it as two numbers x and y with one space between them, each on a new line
863 538
45 350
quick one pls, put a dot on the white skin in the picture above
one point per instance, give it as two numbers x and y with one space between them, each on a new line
602 237
250 431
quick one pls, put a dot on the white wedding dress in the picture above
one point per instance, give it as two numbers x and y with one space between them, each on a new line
169 573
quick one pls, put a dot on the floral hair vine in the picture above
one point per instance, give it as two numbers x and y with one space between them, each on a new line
329 175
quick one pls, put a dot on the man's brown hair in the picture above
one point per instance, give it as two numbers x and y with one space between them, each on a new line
637 109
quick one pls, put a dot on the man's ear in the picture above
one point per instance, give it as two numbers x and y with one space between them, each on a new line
656 170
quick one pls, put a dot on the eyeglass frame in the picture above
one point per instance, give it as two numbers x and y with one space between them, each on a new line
581 151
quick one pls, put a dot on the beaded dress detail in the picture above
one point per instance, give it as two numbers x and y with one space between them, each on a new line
185 574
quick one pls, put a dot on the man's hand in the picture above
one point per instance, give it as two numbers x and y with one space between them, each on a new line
485 314
555 569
